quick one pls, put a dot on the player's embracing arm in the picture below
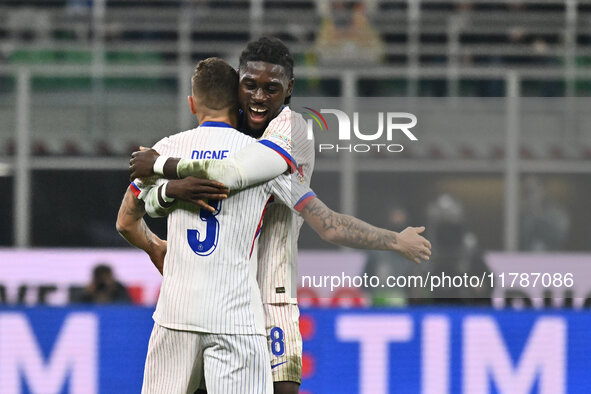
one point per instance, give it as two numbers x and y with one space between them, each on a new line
255 163
132 227
334 227
345 230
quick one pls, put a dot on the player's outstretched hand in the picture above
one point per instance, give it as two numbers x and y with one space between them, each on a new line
196 191
142 162
414 246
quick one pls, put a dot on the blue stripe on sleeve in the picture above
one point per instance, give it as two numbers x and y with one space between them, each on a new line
286 156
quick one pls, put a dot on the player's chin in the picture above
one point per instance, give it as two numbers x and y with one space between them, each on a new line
259 123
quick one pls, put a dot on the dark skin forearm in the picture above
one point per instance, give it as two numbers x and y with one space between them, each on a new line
170 168
142 163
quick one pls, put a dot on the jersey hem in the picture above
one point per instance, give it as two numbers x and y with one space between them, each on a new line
193 328
283 302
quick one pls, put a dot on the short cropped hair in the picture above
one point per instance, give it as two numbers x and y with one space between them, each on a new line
269 50
215 82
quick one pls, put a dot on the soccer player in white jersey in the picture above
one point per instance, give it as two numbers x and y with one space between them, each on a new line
266 80
209 319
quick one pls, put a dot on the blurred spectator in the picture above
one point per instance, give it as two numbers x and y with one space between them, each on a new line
78 13
104 288
455 252
544 224
29 24
383 264
346 37
78 7
446 223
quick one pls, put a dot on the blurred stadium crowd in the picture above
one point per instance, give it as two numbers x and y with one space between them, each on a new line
439 48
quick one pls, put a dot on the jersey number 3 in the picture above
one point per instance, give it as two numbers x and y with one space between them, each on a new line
206 246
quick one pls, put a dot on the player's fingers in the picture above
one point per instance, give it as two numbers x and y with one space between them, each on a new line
204 205
211 196
420 229
222 190
142 148
427 244
417 260
132 174
211 190
211 183
220 187
208 190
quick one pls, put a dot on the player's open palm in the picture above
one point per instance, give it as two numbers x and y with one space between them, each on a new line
414 246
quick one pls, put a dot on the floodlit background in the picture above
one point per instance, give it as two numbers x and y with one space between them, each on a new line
499 175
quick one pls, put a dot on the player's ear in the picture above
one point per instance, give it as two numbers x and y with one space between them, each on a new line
289 87
191 104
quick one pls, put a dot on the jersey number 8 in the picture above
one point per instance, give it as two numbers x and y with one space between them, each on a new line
277 341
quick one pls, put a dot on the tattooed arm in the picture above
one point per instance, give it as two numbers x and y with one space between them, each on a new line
132 227
348 231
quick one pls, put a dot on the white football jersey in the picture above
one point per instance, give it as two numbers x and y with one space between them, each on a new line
278 253
209 281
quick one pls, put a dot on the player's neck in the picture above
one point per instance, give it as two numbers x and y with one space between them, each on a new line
231 119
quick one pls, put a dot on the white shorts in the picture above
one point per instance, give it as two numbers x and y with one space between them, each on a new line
285 341
178 361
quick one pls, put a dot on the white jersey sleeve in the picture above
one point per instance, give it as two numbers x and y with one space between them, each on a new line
288 135
249 166
154 209
291 193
